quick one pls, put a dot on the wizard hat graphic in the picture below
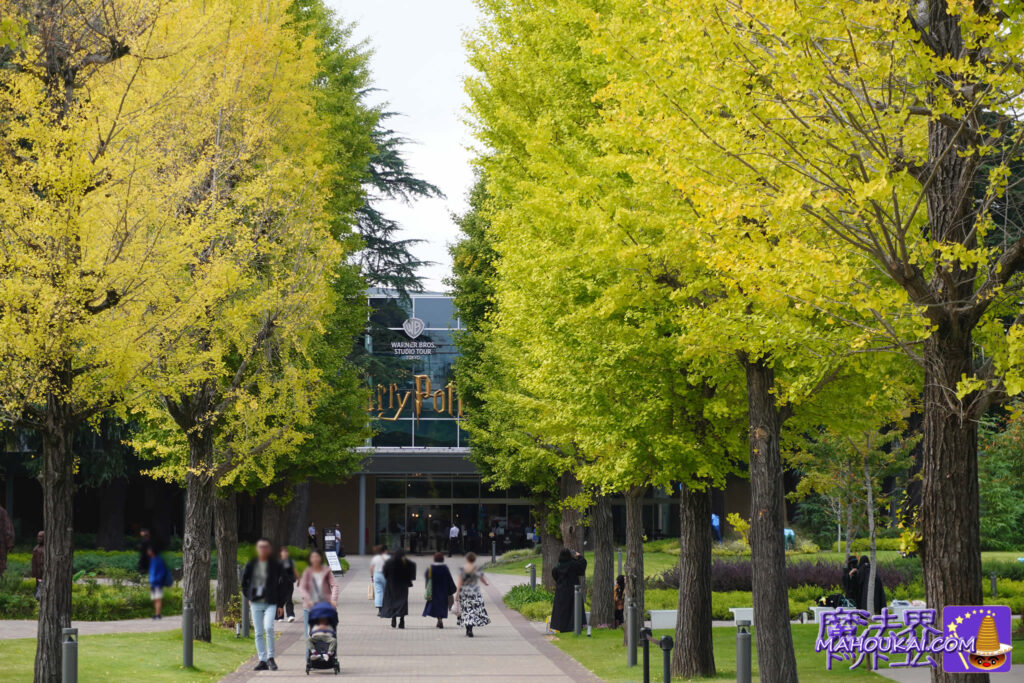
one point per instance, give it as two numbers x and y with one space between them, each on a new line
988 653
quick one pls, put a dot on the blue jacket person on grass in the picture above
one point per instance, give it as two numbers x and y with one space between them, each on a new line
159 578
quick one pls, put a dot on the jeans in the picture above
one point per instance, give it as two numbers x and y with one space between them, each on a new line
378 588
263 623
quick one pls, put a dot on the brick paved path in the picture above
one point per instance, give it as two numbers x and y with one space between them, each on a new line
509 649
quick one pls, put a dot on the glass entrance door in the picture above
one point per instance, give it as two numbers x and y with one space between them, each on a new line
428 523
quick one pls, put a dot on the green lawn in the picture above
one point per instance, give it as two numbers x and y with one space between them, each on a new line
136 656
604 654
657 562
654 563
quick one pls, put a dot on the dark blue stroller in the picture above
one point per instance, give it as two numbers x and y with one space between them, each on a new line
321 649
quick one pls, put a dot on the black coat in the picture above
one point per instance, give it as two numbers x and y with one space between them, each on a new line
864 578
275 579
851 585
567 576
442 586
399 573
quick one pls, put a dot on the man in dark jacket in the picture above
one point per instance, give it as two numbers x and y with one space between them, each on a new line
145 543
261 583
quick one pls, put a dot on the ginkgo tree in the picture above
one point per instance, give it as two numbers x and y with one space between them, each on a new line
892 128
95 129
235 383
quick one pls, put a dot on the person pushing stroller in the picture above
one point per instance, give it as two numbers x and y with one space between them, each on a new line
322 640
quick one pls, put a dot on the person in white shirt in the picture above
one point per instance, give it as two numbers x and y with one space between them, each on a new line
311 536
453 539
380 556
337 539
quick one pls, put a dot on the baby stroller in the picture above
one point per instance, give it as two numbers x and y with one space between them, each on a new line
323 610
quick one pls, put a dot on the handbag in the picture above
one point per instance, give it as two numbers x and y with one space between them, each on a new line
369 592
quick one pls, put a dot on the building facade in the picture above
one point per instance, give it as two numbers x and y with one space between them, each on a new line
417 477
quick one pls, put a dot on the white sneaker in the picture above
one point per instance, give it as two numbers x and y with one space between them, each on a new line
291 619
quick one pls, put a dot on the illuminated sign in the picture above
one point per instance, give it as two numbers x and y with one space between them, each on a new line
389 402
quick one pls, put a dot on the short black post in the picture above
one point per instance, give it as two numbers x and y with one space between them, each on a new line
186 634
494 552
69 655
577 610
533 576
995 590
645 639
666 643
743 652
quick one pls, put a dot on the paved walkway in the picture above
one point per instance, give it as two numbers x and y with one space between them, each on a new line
27 628
509 649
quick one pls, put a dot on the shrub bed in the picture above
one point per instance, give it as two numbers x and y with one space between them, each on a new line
736 575
532 604
90 601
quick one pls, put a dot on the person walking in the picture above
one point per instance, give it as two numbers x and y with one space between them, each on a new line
145 542
453 539
337 540
6 539
571 566
38 560
261 583
159 578
377 580
470 601
285 601
399 573
619 596
311 536
317 584
440 587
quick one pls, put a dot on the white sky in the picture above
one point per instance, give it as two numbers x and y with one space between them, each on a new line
418 64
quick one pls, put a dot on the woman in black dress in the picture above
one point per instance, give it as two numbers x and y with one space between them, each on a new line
571 566
441 588
864 576
851 581
399 573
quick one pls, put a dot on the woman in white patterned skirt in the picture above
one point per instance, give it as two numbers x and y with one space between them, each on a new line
469 598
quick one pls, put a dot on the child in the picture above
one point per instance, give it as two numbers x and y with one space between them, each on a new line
159 578
322 632
620 599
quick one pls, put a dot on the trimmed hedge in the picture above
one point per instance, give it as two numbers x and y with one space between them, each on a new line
737 575
91 601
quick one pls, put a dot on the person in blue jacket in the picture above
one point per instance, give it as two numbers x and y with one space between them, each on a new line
159 578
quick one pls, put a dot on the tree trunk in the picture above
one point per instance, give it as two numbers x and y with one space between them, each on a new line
274 522
572 517
602 598
110 535
775 656
634 569
849 530
199 503
551 545
869 488
225 527
58 523
298 516
693 620
951 553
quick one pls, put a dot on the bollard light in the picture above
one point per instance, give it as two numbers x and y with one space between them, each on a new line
186 634
995 589
666 644
577 610
533 576
743 651
494 552
69 655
